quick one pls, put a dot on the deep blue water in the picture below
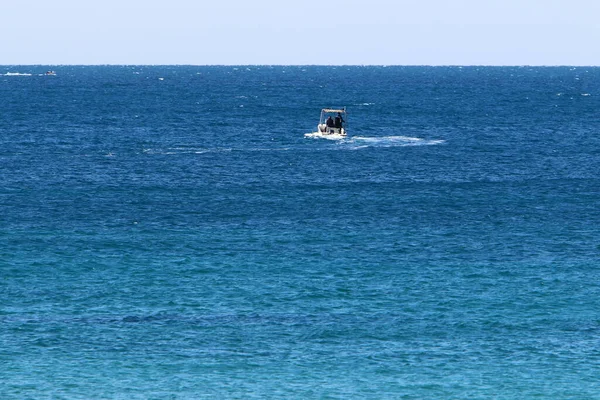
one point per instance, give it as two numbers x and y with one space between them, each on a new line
169 232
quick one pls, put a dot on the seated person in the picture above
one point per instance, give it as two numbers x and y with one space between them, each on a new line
330 123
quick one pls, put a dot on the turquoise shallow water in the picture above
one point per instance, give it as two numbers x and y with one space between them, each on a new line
169 232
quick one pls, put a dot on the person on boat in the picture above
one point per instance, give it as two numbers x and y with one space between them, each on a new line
339 120
330 123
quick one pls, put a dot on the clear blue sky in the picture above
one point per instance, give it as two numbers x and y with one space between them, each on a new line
405 32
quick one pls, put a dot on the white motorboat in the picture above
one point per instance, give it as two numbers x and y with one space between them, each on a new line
332 124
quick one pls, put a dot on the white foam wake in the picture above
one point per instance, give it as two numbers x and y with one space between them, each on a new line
390 141
317 135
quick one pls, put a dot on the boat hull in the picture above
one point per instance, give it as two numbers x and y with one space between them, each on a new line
326 135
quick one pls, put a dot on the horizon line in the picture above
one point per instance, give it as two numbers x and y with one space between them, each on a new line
303 65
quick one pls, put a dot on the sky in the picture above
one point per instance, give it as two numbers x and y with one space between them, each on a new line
301 32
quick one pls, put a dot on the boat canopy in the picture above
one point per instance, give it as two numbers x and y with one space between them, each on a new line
332 110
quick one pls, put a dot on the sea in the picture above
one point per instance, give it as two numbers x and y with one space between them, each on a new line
169 232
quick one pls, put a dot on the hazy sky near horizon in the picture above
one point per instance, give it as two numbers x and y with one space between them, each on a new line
382 32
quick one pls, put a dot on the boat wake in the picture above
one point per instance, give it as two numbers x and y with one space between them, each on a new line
358 142
392 141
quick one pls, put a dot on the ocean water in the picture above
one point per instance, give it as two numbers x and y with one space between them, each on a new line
167 232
